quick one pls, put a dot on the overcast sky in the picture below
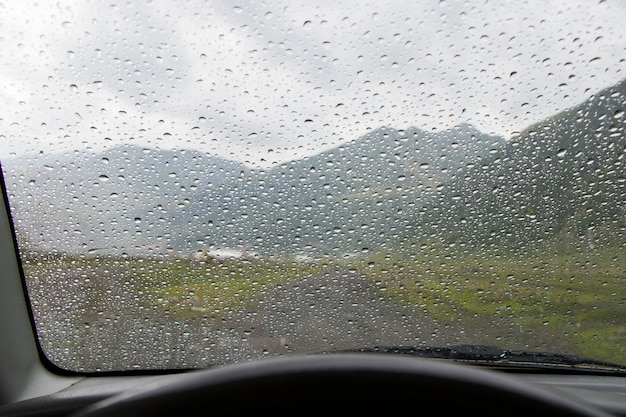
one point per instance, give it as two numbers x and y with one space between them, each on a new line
272 81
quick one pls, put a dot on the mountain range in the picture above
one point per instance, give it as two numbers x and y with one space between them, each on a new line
560 181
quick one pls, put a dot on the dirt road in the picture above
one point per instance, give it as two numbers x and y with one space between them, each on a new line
335 310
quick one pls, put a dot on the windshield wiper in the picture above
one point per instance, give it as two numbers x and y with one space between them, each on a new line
487 354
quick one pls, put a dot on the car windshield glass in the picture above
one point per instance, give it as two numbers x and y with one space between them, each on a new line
194 184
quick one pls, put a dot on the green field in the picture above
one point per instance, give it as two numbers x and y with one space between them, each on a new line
577 298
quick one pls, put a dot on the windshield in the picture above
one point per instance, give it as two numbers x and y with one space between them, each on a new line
194 184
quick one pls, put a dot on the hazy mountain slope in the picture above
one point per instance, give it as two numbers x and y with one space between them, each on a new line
121 200
561 181
351 198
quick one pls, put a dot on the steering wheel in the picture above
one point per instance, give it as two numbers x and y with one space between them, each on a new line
339 384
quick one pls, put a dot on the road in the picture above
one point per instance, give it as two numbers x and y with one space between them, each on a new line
335 310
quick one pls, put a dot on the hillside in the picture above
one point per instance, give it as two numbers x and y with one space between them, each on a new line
122 200
348 199
561 181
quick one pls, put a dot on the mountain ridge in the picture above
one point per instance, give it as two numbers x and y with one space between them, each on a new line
378 190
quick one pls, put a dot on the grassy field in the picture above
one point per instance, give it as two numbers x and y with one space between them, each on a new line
185 288
579 298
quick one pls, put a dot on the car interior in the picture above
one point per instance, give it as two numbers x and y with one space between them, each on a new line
211 208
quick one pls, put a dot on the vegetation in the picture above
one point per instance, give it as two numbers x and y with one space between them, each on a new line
577 297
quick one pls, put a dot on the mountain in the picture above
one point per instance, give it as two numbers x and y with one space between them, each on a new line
351 198
560 181
132 200
124 199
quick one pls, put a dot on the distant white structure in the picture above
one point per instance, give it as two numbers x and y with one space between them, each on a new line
303 258
217 255
203 256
